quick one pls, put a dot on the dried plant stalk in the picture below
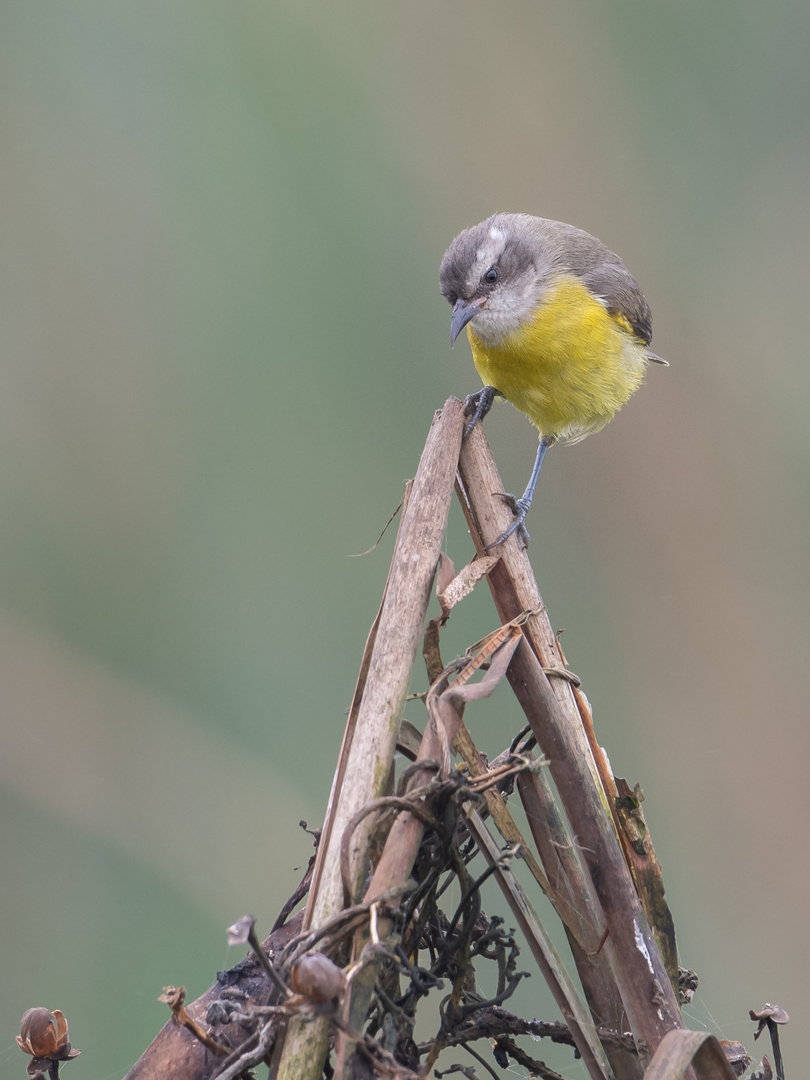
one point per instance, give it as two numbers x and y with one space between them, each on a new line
620 966
585 924
368 752
559 982
638 971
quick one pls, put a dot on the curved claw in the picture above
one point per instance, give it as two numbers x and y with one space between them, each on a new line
478 405
519 508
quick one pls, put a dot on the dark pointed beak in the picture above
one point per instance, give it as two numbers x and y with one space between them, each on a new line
463 311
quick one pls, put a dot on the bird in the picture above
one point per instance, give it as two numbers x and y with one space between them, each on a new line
557 325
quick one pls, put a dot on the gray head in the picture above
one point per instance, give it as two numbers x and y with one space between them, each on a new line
495 273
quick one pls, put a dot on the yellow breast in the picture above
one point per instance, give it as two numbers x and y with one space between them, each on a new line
570 368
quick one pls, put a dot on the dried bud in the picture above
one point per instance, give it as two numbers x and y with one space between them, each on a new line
317 979
44 1034
174 997
239 933
767 1015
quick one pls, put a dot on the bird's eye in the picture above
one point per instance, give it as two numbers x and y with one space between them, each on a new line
491 276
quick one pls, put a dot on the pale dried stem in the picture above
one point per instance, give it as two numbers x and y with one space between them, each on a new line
370 741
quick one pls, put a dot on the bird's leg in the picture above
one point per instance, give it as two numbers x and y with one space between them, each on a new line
520 507
478 405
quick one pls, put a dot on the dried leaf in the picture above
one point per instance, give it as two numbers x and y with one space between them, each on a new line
463 583
738 1057
680 1048
431 651
409 740
445 572
767 1071
647 874
445 708
504 647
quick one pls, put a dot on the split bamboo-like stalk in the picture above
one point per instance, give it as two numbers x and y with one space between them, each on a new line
370 741
638 971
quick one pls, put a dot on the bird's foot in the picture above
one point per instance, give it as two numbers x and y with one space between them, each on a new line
519 508
476 406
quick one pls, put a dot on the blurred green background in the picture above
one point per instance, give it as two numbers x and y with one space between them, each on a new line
222 348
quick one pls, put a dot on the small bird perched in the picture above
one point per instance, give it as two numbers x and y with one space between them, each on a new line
557 325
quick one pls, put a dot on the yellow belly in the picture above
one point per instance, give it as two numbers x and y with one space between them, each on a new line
570 369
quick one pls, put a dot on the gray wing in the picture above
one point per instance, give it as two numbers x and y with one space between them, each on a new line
600 269
614 283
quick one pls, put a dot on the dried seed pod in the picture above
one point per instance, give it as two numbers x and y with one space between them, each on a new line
317 979
772 1014
44 1034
